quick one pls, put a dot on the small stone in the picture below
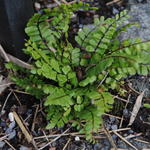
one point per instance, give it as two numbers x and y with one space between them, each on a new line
97 146
12 135
114 137
106 143
108 126
2 144
115 11
74 16
8 131
114 127
37 5
2 124
12 125
23 148
112 119
125 113
130 131
105 148
77 138
11 116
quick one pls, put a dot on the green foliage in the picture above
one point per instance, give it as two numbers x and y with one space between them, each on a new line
147 106
75 81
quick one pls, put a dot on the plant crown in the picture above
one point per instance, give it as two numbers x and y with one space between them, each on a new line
76 80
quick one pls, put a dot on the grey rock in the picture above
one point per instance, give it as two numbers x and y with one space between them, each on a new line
106 142
12 125
105 148
2 144
12 135
115 11
114 127
125 112
8 131
108 126
98 146
3 123
112 119
114 137
140 13
122 145
130 131
23 148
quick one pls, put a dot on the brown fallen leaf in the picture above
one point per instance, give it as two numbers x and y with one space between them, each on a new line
136 108
8 58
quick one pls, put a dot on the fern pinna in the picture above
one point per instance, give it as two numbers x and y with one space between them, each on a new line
75 81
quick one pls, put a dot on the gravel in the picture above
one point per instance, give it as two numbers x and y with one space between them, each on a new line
140 13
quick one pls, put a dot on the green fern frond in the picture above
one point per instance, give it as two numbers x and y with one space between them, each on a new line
75 80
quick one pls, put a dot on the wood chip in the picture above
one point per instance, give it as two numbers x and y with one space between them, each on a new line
136 108
20 123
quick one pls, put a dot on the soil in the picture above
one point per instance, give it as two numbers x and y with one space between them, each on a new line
31 111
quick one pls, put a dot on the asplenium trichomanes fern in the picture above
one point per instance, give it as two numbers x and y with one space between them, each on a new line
75 80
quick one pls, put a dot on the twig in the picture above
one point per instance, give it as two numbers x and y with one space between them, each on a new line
139 140
25 120
4 137
9 144
55 135
24 129
65 2
8 58
112 116
123 139
19 62
5 102
3 54
75 1
109 137
117 97
57 2
130 86
33 124
6 84
102 80
66 144
22 92
45 136
77 134
133 136
112 2
16 97
54 140
125 108
119 130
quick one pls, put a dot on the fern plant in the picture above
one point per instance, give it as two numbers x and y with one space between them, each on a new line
75 80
